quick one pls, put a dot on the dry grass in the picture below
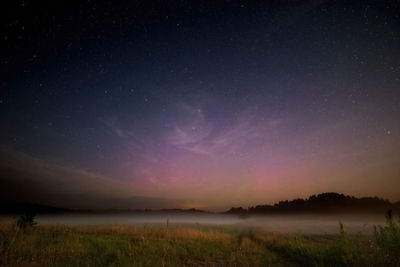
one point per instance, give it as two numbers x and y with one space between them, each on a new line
128 246
192 245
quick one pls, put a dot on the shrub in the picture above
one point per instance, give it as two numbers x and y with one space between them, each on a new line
27 220
387 240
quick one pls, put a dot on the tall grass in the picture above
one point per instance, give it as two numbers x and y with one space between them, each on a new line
387 240
382 248
128 246
193 245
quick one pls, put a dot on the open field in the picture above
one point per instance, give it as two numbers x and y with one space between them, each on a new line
193 245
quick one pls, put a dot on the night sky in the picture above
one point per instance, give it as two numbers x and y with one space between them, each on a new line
198 104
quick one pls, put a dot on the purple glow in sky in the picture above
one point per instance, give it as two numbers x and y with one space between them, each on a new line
205 105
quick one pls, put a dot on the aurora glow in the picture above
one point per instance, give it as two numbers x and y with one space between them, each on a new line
207 105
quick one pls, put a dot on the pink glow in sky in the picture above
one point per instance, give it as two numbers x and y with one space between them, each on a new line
199 104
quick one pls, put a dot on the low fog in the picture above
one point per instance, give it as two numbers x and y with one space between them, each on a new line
307 224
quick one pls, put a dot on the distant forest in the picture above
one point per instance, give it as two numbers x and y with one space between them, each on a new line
322 203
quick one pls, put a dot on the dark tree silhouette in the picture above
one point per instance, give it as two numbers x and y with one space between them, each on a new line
322 203
27 220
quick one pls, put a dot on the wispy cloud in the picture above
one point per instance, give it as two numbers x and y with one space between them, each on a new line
113 125
189 134
130 139
198 136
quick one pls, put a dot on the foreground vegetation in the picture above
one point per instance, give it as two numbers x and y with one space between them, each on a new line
192 245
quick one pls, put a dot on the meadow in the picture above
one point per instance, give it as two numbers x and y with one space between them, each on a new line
176 244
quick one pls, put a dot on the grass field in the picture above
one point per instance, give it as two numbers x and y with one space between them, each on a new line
192 245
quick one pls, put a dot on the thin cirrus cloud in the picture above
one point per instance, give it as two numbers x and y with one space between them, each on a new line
198 136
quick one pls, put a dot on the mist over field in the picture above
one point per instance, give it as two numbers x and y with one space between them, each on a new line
307 224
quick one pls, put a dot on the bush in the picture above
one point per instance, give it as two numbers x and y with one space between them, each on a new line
27 220
387 240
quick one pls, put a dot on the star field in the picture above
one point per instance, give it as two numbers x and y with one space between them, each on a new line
207 104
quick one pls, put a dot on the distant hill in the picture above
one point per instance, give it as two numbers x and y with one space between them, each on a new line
322 203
